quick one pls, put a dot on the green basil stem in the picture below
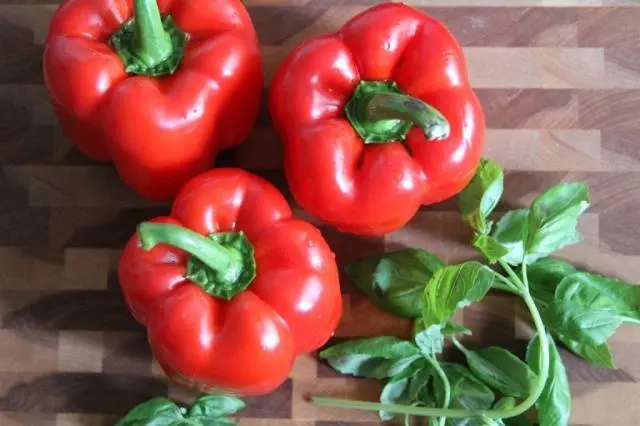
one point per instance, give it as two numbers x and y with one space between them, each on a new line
205 249
447 386
458 345
514 277
505 285
152 44
462 413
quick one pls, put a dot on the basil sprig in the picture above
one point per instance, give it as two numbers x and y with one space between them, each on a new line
207 410
576 308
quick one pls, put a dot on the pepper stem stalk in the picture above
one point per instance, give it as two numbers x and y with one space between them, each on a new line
385 106
209 252
223 264
149 44
152 44
380 112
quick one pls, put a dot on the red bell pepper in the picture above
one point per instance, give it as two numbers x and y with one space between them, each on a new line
231 287
157 89
377 119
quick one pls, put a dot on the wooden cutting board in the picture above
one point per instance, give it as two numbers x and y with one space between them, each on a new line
560 84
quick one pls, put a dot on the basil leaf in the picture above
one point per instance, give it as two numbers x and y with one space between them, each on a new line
520 420
419 386
553 219
599 355
501 370
374 357
511 233
589 308
430 341
554 405
596 292
362 366
480 197
406 367
395 281
454 287
490 248
493 422
387 347
449 329
581 322
544 277
215 406
466 390
158 411
471 421
219 421
452 328
394 392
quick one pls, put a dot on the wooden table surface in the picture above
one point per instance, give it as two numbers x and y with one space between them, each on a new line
560 84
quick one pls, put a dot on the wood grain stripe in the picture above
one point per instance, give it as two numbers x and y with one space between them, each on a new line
74 419
28 419
594 405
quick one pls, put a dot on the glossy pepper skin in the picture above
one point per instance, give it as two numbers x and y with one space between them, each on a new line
159 126
241 331
345 104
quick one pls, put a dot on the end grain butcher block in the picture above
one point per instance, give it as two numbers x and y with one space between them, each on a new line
560 84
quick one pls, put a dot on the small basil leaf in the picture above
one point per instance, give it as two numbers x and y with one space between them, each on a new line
520 420
480 197
544 277
452 329
554 405
215 406
597 292
430 341
395 281
155 412
511 233
505 403
375 357
387 347
362 366
470 421
466 390
553 219
489 247
419 386
501 370
394 392
599 355
406 367
454 287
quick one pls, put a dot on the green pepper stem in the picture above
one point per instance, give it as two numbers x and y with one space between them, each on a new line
209 252
151 43
387 105
380 112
